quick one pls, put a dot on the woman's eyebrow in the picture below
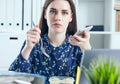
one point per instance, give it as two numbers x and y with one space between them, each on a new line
62 9
52 9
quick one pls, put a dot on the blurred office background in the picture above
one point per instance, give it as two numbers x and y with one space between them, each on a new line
16 17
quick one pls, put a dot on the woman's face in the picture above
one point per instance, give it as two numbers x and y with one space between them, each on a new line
58 15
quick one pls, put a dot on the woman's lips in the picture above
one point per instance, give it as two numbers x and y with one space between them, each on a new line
57 25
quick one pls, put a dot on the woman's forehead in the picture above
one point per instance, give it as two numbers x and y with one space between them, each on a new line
59 5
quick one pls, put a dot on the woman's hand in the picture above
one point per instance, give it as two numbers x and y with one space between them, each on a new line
81 40
33 37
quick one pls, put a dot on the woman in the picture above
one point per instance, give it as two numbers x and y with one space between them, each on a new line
57 35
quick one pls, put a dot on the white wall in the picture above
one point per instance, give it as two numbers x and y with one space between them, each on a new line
10 48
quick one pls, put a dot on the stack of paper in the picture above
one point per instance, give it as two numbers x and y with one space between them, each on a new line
21 78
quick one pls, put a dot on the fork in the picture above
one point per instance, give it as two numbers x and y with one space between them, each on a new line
41 47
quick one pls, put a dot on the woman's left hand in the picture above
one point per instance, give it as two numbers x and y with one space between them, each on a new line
81 40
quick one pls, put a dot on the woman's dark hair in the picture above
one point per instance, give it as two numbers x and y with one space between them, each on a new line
72 26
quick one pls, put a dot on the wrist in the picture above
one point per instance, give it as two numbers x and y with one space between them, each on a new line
86 46
26 52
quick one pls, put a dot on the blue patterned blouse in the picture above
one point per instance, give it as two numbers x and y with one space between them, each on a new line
62 61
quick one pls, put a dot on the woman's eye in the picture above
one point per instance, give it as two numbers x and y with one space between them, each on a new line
52 11
65 13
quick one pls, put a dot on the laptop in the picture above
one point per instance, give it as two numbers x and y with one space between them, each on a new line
90 55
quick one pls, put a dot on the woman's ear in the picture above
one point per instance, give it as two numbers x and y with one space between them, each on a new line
45 15
71 17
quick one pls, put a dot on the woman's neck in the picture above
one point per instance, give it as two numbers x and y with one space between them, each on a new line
56 39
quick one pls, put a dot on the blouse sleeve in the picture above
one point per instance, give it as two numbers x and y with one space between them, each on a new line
79 55
20 64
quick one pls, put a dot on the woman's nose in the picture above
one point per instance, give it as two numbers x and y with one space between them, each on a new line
58 16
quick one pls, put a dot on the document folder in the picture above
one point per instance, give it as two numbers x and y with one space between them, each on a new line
27 15
18 12
3 16
10 15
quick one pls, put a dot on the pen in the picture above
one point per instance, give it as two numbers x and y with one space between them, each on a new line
78 75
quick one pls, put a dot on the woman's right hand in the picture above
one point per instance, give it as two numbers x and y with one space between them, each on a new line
33 37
